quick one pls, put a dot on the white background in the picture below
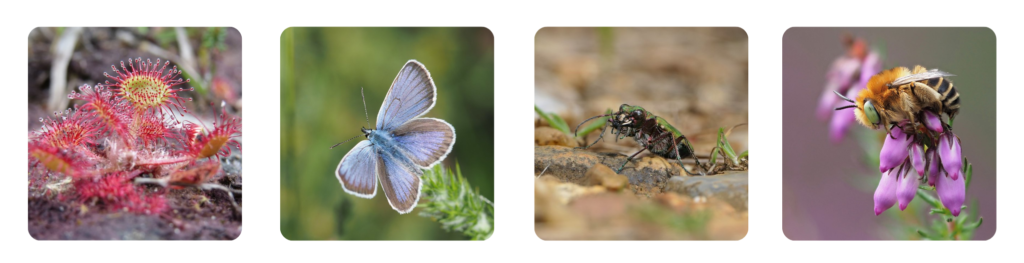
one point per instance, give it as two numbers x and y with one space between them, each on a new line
513 25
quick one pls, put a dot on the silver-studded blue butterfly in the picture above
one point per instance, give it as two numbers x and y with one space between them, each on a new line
403 144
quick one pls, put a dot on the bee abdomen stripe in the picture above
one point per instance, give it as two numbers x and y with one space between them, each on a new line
934 83
952 100
942 86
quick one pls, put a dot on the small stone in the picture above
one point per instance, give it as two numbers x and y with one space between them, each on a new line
550 136
604 176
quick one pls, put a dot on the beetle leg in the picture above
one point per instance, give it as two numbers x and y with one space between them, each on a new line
598 138
692 154
629 159
675 148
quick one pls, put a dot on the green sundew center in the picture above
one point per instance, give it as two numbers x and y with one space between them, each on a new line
145 92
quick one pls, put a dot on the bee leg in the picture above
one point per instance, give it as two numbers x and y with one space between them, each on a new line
629 159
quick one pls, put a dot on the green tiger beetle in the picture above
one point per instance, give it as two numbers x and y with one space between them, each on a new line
653 133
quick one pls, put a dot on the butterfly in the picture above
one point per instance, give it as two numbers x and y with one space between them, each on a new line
401 146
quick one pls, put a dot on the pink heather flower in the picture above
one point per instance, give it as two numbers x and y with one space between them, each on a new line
951 192
843 119
871 65
907 188
917 158
885 194
849 75
933 166
840 77
949 152
932 121
894 150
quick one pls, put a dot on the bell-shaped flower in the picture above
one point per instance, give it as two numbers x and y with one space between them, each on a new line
951 192
839 78
885 194
843 119
894 150
933 166
907 188
949 152
871 65
932 121
917 158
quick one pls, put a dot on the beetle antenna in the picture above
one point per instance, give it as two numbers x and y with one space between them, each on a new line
576 132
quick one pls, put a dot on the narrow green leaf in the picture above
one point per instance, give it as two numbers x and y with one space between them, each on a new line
974 225
934 202
554 120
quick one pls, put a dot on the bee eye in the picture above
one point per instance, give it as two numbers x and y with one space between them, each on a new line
870 112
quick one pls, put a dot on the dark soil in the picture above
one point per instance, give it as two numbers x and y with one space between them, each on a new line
192 215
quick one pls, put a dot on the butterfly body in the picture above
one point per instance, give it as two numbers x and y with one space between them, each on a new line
401 146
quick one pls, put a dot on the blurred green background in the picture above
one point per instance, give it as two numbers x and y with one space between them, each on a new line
322 70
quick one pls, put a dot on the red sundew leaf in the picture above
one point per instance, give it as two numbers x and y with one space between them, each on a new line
146 87
72 130
213 143
116 191
58 160
195 175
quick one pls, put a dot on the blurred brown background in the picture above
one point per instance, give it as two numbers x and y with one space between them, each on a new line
696 78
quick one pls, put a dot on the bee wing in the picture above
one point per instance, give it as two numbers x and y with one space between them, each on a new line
931 74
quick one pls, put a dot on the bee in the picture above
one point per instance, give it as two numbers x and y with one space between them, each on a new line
899 94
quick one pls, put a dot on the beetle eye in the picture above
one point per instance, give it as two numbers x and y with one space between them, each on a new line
870 112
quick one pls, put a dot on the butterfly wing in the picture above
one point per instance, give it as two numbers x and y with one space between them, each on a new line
412 94
426 141
401 183
357 171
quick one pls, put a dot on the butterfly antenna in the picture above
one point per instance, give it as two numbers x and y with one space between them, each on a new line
349 139
366 113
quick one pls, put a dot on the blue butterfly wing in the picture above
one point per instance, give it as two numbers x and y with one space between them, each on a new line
401 182
412 94
425 141
357 171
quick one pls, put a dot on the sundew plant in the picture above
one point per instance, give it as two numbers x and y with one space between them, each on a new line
125 144
924 162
